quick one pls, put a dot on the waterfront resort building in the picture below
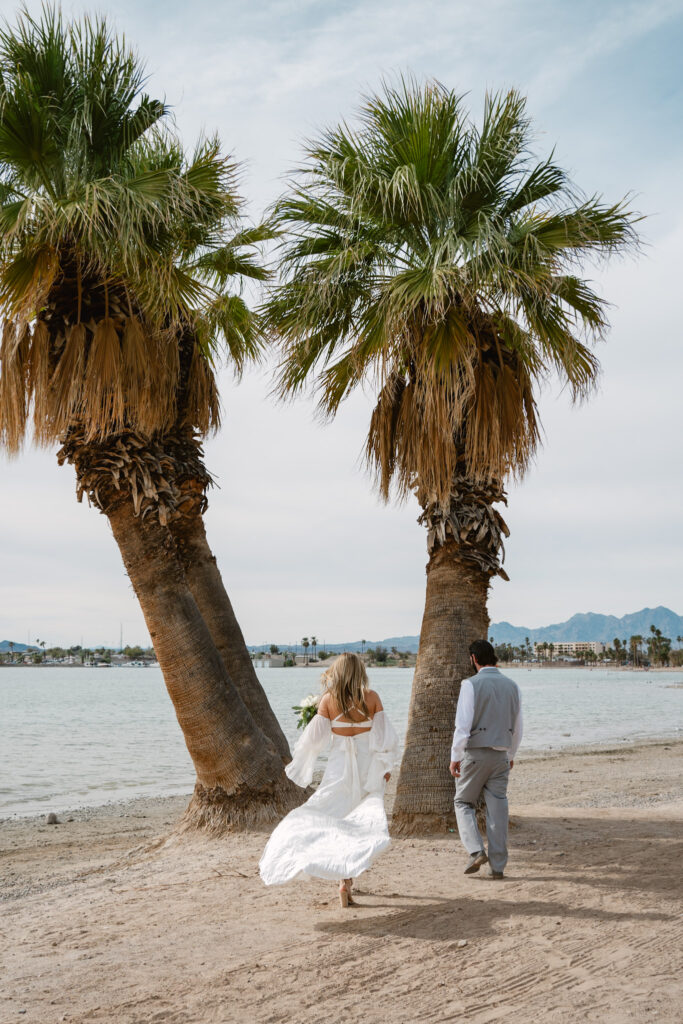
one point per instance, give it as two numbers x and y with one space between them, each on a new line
570 648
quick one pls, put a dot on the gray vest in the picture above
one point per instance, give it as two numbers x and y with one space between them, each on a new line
496 703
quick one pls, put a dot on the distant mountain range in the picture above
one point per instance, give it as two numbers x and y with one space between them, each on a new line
582 626
590 626
18 648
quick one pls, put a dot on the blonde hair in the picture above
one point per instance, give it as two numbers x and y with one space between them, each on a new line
346 681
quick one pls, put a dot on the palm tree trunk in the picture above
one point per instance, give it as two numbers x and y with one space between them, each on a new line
455 615
190 476
240 777
205 582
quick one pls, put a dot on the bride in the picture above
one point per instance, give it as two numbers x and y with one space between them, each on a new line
340 830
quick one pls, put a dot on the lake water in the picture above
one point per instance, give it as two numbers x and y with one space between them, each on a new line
73 737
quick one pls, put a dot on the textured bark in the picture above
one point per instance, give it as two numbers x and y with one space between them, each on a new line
469 518
191 480
455 615
208 590
240 777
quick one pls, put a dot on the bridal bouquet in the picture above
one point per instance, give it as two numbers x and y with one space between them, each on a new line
307 710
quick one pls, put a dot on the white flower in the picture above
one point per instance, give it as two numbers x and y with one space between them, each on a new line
311 701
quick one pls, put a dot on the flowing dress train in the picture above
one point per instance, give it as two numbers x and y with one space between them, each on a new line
340 830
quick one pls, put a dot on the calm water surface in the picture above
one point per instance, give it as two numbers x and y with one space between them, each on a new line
71 737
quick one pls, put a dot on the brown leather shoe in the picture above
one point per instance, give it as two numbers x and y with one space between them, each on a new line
475 862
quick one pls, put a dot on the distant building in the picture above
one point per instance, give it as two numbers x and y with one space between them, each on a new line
278 660
569 648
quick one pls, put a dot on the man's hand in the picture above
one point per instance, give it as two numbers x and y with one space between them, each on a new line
455 769
512 764
387 776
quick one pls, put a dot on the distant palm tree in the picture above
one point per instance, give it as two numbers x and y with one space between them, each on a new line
110 236
362 646
437 261
314 645
635 644
617 649
305 643
659 646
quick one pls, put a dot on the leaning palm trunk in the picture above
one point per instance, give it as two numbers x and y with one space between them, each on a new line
206 583
464 541
240 777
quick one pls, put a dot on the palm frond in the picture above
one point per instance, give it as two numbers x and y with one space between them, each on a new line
113 240
439 260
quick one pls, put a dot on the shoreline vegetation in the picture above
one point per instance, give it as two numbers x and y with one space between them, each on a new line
531 666
593 849
648 652
640 651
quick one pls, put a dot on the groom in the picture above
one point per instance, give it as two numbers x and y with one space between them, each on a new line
488 731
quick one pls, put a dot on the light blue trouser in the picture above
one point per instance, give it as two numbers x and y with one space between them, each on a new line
484 768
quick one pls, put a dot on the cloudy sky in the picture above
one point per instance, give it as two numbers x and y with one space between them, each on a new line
303 543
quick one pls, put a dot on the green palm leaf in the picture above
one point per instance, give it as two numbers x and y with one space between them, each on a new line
440 261
108 225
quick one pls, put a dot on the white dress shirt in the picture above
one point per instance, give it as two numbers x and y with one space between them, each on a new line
463 724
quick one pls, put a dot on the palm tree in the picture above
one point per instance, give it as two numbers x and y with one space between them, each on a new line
314 645
305 643
635 643
109 241
438 261
658 646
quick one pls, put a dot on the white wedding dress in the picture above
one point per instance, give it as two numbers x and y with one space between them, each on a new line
340 830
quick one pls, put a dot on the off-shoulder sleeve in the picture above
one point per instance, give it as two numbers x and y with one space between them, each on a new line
383 751
312 740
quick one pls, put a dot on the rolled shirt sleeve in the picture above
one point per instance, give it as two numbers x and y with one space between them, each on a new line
463 720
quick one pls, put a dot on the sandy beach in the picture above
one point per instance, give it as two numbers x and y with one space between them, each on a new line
107 919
